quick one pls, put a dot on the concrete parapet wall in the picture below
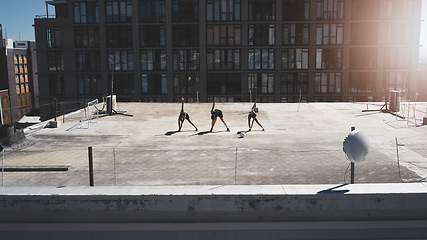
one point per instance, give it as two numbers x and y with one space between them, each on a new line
281 210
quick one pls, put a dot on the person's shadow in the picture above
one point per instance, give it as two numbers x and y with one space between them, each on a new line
170 133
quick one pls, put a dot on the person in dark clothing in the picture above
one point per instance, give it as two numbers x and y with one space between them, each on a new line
215 113
184 116
252 115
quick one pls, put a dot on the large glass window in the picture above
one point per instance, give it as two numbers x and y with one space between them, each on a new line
398 81
55 61
364 9
363 58
152 11
263 82
295 58
293 83
119 11
186 83
86 37
123 84
364 33
327 82
223 59
400 33
262 10
330 9
223 35
186 60
223 10
152 36
397 57
153 60
88 61
185 36
54 37
89 84
295 34
56 84
261 35
185 10
261 59
121 60
329 58
119 36
222 83
86 12
362 82
295 10
329 33
154 83
396 9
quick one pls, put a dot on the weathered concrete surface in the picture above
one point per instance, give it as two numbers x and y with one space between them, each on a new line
358 211
297 147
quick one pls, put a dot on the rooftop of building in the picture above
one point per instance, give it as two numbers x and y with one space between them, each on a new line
301 144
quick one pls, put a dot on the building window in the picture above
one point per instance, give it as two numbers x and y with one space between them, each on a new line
327 82
223 59
123 84
223 35
295 58
152 11
89 84
185 36
396 9
186 83
55 63
152 36
121 60
262 10
295 10
261 35
119 11
364 33
397 57
153 60
185 10
86 12
154 83
224 10
218 83
363 58
329 58
56 84
398 81
261 59
86 37
329 34
88 61
119 36
294 83
330 9
364 9
263 82
54 37
399 33
186 60
295 34
362 82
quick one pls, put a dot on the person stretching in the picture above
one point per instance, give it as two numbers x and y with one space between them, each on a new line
252 115
182 116
215 113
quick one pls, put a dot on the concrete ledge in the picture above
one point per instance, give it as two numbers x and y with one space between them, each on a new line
358 211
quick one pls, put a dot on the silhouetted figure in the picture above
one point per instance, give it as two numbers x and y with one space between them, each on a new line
215 113
182 116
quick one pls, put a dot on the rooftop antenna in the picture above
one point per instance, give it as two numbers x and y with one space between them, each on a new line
111 110
356 148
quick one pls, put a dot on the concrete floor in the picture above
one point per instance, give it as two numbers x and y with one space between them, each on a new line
301 144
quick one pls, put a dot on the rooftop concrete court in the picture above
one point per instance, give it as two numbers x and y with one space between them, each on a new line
301 144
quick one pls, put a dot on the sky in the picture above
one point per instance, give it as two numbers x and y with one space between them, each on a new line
17 18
